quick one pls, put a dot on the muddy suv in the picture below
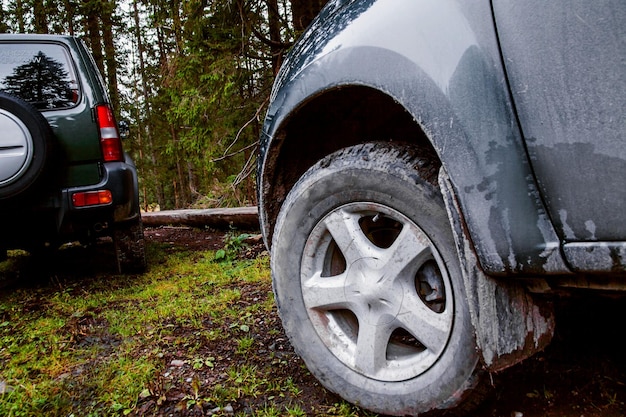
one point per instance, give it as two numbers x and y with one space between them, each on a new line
432 174
63 173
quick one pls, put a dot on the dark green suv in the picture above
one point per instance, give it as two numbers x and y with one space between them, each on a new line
63 173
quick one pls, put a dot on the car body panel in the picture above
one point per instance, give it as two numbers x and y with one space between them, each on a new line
566 66
441 62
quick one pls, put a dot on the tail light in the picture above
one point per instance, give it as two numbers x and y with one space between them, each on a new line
110 141
92 198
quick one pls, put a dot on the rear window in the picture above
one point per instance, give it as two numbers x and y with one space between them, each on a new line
40 74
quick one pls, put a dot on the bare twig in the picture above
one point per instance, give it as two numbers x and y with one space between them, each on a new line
228 155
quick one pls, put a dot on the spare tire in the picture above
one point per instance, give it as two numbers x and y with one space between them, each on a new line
26 141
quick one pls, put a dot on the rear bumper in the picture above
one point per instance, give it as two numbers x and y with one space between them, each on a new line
120 178
55 219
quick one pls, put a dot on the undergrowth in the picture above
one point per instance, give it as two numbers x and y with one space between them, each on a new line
197 334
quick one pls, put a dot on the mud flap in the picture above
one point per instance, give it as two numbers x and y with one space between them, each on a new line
510 324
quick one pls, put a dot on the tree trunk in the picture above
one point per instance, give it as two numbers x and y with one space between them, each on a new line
183 196
91 11
177 26
40 17
274 31
303 12
109 53
4 28
243 218
191 180
159 191
69 16
19 16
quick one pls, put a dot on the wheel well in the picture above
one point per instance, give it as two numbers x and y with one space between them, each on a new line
331 121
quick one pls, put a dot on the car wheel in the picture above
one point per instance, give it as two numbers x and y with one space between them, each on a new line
130 247
368 283
25 145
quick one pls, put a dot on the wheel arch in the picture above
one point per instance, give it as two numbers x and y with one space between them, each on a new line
334 119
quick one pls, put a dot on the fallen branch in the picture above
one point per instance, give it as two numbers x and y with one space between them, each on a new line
242 218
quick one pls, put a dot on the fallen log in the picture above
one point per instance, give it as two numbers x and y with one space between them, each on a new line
242 218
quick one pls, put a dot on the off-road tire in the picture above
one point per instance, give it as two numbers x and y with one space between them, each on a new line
328 304
130 247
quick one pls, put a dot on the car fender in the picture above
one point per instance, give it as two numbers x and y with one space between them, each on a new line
441 62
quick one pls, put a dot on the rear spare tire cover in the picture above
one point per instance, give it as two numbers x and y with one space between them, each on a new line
25 143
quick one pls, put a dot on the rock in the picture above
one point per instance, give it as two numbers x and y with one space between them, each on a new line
177 363
5 388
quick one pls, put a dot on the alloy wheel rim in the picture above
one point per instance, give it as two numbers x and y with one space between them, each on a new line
376 291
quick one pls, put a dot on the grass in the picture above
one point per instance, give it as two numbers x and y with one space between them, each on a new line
197 331
198 334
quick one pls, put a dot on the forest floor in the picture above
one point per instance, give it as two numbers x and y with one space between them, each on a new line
582 373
